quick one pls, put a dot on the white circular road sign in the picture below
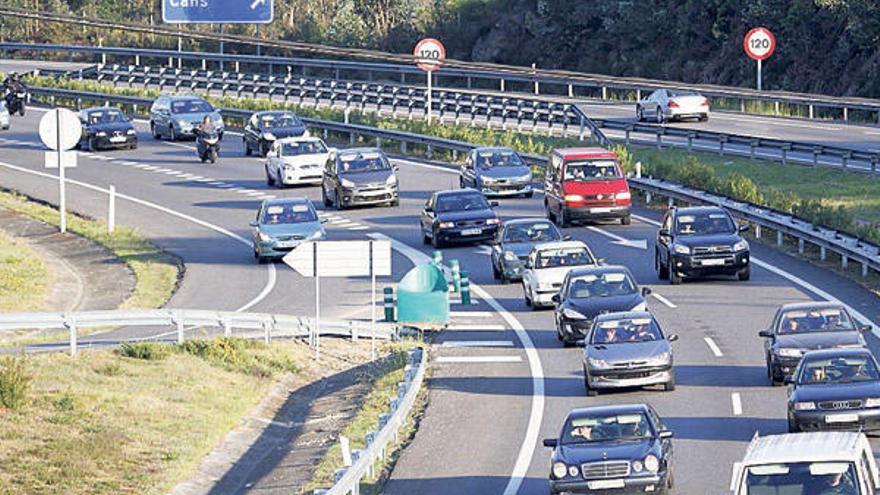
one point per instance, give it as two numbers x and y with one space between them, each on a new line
429 54
60 128
759 43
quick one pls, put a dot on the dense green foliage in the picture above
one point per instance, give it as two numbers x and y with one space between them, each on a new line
15 382
686 40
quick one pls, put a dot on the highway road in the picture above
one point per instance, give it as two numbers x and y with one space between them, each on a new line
492 399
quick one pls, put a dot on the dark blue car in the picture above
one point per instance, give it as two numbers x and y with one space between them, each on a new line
106 128
264 128
458 216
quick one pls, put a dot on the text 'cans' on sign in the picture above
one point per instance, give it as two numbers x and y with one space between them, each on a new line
429 54
759 43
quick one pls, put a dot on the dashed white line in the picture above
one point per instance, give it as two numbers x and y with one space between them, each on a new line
477 343
662 299
737 404
359 227
713 347
466 327
471 314
479 359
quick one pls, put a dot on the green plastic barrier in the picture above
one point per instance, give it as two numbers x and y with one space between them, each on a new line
423 297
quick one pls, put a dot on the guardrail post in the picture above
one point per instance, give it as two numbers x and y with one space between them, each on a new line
352 331
178 320
874 160
844 159
581 129
722 140
811 110
502 90
691 136
403 147
670 202
800 246
430 152
639 169
626 135
267 331
378 142
465 289
227 327
388 293
351 138
648 197
757 231
844 261
845 114
604 93
823 253
864 270
784 151
753 144
70 322
111 210
779 238
776 107
816 152
659 138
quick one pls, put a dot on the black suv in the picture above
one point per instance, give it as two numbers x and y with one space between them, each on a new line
700 240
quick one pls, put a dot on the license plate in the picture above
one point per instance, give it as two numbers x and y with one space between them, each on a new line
287 244
712 262
842 418
373 193
117 139
600 210
605 484
471 231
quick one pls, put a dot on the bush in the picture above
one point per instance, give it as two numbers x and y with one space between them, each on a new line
239 355
148 351
15 382
742 188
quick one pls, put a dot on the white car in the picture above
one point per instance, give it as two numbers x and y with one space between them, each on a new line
672 104
4 116
296 161
547 266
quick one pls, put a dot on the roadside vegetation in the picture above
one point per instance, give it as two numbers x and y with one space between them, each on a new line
25 280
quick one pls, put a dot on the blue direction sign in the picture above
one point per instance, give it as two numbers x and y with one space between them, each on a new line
217 11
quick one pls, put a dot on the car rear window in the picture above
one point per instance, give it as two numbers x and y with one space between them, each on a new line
531 232
553 258
303 148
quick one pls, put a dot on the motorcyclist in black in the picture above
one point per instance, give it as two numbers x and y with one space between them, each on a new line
12 86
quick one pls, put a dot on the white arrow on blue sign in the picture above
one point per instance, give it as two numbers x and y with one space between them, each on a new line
218 11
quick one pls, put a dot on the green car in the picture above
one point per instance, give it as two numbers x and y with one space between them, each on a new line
282 225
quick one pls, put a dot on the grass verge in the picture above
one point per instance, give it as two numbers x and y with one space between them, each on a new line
24 279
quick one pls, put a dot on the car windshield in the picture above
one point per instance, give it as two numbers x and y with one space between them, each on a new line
191 106
815 320
704 224
626 330
608 284
591 170
107 116
681 92
847 369
498 158
278 120
288 214
606 428
461 202
553 258
352 163
303 148
802 478
531 232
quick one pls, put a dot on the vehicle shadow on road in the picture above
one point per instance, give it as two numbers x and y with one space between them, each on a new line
738 429
721 376
461 485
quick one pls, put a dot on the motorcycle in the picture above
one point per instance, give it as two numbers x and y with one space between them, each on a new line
208 146
15 101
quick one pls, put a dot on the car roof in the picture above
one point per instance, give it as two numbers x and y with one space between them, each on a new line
364 149
559 245
690 210
494 148
185 97
610 409
297 139
287 201
273 112
805 447
594 270
96 109
517 221
624 315
584 152
454 192
838 352
810 305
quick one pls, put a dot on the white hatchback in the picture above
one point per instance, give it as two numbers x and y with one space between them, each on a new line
296 161
547 266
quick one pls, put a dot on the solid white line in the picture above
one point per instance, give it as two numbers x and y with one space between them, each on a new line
713 347
475 328
477 343
471 314
737 404
663 300
478 359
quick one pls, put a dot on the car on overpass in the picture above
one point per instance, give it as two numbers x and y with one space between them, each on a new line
458 216
547 267
296 161
496 172
282 225
825 463
515 241
587 292
177 116
264 128
585 184
4 116
699 241
672 104
626 350
359 177
611 449
835 389
106 128
806 326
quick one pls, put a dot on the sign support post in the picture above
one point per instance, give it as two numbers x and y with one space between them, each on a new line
430 94
60 130
759 43
317 304
62 197
373 303
760 78
429 54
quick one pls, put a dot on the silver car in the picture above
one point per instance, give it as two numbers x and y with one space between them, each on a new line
627 349
672 104
4 116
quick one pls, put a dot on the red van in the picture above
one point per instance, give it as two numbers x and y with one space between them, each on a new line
585 184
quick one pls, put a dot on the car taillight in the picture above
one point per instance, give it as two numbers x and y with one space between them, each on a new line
672 104
705 102
573 197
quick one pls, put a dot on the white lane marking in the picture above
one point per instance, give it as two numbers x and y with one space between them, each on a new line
797 281
359 227
205 179
477 343
162 170
255 194
151 168
244 191
622 241
471 314
432 167
269 196
662 299
478 359
270 283
340 220
195 177
713 347
467 327
216 182
129 163
737 404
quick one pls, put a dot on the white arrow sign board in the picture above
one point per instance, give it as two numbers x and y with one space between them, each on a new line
60 129
341 258
68 159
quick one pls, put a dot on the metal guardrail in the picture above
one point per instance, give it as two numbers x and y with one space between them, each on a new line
564 82
845 245
376 443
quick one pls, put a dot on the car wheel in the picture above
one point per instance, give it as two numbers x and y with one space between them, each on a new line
591 392
793 426
674 277
436 243
496 274
529 194
461 183
324 198
670 478
395 202
425 239
337 200
548 213
213 156
659 116
670 385
626 220
171 135
640 114
133 147
561 219
704 118
269 180
247 149
744 274
264 149
21 110
662 270
154 132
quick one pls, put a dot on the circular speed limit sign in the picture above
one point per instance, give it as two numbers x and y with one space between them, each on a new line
429 54
759 43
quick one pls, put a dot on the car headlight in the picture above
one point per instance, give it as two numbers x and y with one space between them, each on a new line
391 180
559 470
741 245
493 221
622 196
131 132
789 352
347 184
872 402
652 464
637 466
268 136
184 124
680 249
660 359
804 406
487 180
572 314
597 363
509 255
265 237
100 134
573 197
642 306
317 235
446 225
573 471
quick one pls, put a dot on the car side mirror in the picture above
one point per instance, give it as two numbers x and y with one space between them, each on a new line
647 291
580 342
600 261
744 228
765 334
324 220
788 380
566 237
672 338
664 434
493 204
272 154
395 167
555 298
332 152
254 224
664 233
865 329
429 210
551 442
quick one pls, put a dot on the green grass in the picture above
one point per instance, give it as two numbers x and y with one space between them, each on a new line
24 279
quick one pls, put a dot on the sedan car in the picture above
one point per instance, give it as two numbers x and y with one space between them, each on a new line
104 128
296 161
176 116
515 241
672 104
801 327
835 389
264 128
359 177
282 225
496 172
591 291
4 116
611 450
627 350
547 267
458 216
